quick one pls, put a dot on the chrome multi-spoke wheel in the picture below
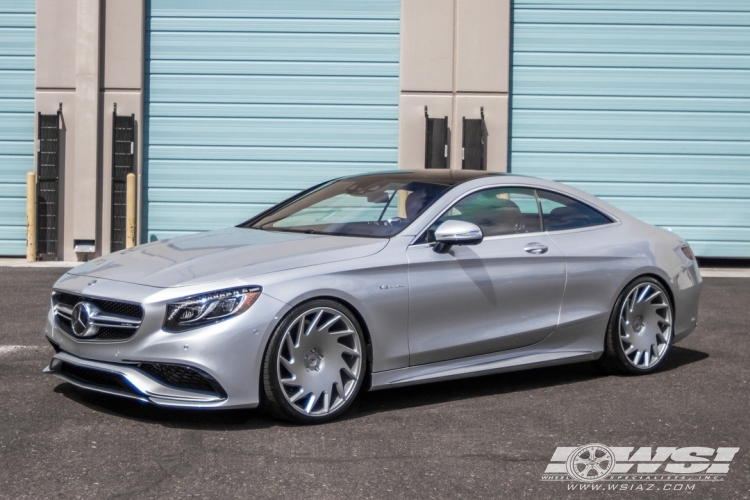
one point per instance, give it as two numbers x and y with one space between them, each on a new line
645 325
640 329
317 362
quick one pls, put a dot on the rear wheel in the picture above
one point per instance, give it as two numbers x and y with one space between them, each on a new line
640 330
315 363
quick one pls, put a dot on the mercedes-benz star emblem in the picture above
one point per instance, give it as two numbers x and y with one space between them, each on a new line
80 319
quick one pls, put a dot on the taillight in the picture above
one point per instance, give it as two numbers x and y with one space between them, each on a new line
688 252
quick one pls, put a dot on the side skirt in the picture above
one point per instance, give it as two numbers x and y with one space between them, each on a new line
572 343
467 367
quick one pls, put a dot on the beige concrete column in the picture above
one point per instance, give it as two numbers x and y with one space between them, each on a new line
122 84
86 143
55 78
427 45
454 59
426 73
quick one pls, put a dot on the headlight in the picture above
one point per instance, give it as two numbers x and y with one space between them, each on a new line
202 310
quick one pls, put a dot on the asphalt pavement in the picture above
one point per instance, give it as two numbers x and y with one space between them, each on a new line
488 437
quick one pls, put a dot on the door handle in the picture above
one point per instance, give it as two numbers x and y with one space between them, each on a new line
535 248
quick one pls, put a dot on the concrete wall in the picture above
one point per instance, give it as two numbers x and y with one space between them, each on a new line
454 60
89 55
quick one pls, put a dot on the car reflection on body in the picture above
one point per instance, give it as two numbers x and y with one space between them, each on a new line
375 281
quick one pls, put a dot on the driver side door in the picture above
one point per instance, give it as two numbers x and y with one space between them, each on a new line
501 294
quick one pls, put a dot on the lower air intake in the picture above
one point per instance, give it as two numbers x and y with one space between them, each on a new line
95 377
183 377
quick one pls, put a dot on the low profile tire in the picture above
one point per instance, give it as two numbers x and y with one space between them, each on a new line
640 330
314 364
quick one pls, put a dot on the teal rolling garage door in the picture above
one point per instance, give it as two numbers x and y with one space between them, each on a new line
250 101
17 21
645 103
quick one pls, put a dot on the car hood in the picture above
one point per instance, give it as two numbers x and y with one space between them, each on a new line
224 254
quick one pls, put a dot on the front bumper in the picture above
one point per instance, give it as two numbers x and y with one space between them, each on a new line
229 353
127 381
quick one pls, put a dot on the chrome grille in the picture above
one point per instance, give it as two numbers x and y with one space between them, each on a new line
110 306
115 320
109 333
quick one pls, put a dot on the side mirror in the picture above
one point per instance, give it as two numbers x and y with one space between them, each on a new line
456 232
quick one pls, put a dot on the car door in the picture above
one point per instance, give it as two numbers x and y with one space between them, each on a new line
598 262
501 294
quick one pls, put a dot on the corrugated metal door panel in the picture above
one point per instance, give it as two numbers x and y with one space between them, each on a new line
283 68
650 125
286 89
648 6
270 154
273 132
669 103
600 13
17 25
249 102
644 103
370 47
614 39
260 174
279 9
621 146
659 169
626 82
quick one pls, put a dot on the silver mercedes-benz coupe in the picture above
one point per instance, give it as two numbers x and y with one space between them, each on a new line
370 282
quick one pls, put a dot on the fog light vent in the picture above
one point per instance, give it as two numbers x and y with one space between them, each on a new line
183 377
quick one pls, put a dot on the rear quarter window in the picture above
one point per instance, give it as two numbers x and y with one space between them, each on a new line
561 212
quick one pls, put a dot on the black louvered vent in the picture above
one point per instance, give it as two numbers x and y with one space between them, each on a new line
183 377
474 144
437 137
95 377
123 154
47 186
110 306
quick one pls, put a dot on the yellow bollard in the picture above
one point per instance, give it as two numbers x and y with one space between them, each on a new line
31 217
130 211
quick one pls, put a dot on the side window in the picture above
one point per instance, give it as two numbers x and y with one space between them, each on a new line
561 212
496 211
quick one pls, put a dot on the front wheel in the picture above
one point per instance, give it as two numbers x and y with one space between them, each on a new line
315 363
640 330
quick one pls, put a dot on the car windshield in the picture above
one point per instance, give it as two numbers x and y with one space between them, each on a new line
377 206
